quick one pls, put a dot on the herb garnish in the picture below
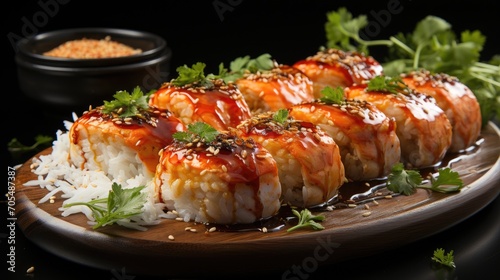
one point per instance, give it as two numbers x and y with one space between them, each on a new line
406 182
193 75
393 85
432 46
280 116
239 66
307 219
120 204
19 150
127 104
440 257
446 182
332 95
201 130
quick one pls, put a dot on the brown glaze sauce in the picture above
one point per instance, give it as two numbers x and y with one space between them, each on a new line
359 192
354 66
146 134
221 106
282 86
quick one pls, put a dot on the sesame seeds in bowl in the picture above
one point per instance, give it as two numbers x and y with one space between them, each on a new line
115 59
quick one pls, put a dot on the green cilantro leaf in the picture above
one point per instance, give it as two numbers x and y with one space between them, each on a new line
332 95
341 27
192 75
393 85
281 116
195 130
427 28
307 219
403 181
440 257
446 182
120 204
21 152
41 141
241 65
126 104
432 45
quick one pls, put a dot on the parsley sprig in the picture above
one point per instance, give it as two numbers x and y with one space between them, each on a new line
239 66
432 46
19 150
307 220
127 104
201 130
404 181
120 204
281 116
193 75
393 85
332 95
440 257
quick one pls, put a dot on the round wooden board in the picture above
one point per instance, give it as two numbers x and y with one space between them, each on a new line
347 234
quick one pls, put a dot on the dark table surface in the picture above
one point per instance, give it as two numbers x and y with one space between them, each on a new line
475 241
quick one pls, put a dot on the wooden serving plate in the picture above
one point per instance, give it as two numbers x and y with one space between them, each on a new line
348 234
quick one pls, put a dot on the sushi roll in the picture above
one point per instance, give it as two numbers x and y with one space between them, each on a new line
423 128
194 97
334 67
269 86
367 139
309 164
122 138
212 177
457 101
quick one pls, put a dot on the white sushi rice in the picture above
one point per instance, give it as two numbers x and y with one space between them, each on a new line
56 174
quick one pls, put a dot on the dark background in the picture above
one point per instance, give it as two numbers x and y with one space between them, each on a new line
288 30
197 32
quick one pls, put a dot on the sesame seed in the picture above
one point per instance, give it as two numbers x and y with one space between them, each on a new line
366 214
351 205
367 206
212 229
244 153
375 202
86 48
171 237
30 270
264 229
388 196
224 168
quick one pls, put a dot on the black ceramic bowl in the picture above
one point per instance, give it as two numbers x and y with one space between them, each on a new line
73 82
